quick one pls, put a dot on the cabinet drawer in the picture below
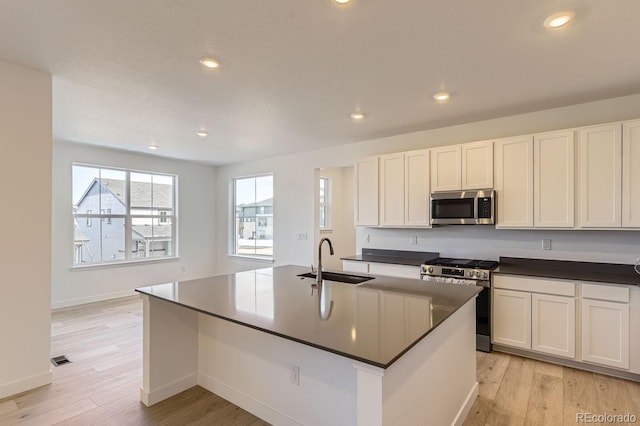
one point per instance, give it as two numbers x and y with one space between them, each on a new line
401 271
605 292
355 266
535 285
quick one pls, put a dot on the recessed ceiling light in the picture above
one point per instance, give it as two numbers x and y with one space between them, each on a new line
441 96
209 62
203 134
559 19
152 147
357 116
342 1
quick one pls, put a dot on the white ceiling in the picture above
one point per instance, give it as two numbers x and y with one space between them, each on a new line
126 72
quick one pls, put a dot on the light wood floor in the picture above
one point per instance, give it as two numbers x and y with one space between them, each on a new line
102 384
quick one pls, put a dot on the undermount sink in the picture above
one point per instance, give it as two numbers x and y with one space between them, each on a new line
342 278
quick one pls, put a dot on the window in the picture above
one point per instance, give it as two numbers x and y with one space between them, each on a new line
253 218
325 203
137 215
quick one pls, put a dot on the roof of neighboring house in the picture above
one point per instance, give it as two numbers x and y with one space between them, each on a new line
148 232
141 193
264 203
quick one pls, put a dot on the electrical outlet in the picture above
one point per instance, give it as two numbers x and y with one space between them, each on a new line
184 269
546 244
294 374
302 236
366 238
414 239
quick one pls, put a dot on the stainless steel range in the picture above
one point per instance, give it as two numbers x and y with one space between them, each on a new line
467 272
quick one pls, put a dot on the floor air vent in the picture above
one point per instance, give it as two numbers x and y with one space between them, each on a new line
59 360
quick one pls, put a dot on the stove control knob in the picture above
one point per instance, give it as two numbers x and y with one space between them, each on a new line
477 274
485 275
430 269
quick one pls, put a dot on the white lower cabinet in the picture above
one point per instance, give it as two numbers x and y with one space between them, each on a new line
539 322
605 326
585 322
553 325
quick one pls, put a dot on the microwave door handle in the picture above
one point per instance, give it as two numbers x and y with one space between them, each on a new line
475 210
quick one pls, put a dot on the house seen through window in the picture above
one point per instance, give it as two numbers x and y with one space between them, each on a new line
325 203
253 221
137 218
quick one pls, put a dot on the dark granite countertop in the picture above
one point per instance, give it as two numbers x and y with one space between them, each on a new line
564 269
346 319
394 257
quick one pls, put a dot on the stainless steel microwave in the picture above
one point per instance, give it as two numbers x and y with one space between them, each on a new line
463 207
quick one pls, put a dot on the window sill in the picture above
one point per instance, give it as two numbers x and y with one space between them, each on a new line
123 263
252 258
326 230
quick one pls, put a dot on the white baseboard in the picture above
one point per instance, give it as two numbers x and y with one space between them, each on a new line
91 299
149 398
23 385
466 407
244 401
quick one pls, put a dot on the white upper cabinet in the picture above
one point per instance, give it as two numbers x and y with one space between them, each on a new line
600 175
514 182
553 186
446 168
366 189
392 189
416 188
466 166
631 174
477 165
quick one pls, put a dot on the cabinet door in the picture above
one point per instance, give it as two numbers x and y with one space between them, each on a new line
366 192
600 170
605 333
553 201
477 165
512 318
631 174
392 190
553 325
446 168
514 182
416 188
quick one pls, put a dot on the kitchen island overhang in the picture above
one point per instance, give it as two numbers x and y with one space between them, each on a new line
390 351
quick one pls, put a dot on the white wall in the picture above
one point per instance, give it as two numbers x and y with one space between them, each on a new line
25 214
342 232
294 192
196 216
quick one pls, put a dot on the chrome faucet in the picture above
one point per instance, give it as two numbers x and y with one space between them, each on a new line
319 274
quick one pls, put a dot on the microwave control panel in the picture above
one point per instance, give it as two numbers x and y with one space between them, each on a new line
484 207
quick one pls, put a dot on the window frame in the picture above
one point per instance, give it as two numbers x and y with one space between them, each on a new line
326 205
233 231
129 218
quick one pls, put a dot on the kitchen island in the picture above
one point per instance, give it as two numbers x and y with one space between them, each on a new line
387 351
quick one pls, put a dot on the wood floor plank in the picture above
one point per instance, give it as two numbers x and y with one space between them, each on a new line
545 405
512 399
613 396
549 369
479 412
490 373
580 389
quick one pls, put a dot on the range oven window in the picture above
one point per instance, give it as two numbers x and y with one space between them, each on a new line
453 208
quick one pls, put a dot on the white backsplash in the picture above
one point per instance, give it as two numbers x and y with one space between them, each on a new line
488 243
